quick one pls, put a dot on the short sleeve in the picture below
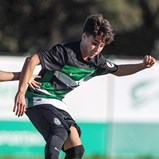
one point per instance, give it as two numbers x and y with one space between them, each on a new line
105 66
53 59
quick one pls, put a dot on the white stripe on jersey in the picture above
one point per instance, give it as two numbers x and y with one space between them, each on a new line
55 102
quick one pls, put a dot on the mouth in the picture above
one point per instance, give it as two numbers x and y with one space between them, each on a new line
94 54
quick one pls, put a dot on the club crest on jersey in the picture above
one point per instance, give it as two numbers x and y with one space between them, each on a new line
111 65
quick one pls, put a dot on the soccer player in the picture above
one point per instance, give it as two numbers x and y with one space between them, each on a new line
65 67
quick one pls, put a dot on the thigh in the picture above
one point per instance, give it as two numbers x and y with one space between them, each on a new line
46 121
73 139
39 121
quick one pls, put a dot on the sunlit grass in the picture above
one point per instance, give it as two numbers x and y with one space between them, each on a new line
91 157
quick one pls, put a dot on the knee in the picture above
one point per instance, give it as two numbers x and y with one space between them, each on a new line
75 152
54 145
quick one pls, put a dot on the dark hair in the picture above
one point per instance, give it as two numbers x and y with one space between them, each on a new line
97 25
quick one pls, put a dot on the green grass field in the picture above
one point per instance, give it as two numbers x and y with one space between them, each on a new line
92 157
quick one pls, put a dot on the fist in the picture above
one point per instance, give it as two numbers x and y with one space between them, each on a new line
149 61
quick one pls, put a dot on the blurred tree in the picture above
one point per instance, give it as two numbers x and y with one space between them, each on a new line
32 25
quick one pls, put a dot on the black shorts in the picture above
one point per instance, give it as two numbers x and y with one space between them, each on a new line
46 117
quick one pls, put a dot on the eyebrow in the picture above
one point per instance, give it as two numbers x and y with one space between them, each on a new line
98 41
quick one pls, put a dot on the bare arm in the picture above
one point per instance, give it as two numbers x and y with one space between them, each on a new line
25 76
9 76
129 69
13 76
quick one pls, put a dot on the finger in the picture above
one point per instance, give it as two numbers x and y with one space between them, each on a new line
17 110
15 107
36 76
21 110
151 61
38 83
148 60
146 57
31 86
34 86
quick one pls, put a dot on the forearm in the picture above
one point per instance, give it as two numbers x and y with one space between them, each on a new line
129 69
9 76
25 75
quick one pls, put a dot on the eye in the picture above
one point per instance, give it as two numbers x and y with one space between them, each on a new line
102 45
94 43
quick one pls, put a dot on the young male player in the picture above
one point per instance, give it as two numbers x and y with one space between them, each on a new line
65 67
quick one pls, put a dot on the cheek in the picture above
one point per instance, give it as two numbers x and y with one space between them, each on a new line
90 47
101 49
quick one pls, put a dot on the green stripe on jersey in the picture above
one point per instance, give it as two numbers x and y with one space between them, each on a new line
47 76
76 73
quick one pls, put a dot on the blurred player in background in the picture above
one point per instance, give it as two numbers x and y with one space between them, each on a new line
13 76
9 76
65 67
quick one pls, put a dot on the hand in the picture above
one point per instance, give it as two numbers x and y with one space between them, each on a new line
148 61
19 104
34 84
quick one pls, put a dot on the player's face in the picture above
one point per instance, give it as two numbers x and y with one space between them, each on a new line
90 46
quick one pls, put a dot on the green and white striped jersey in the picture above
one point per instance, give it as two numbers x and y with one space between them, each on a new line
64 69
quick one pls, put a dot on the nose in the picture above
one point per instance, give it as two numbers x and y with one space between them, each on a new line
97 48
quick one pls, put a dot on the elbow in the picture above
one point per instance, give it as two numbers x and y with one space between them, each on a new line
118 72
34 59
29 59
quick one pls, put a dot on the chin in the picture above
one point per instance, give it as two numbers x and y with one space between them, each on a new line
92 56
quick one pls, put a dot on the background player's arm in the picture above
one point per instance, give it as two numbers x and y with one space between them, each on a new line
129 69
9 76
12 76
25 76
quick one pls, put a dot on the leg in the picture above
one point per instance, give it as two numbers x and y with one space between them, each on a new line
55 143
73 139
40 123
72 146
51 129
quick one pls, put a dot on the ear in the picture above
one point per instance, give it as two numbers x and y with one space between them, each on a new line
84 35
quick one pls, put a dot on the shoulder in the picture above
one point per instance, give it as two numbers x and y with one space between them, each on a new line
99 59
66 47
72 46
104 63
